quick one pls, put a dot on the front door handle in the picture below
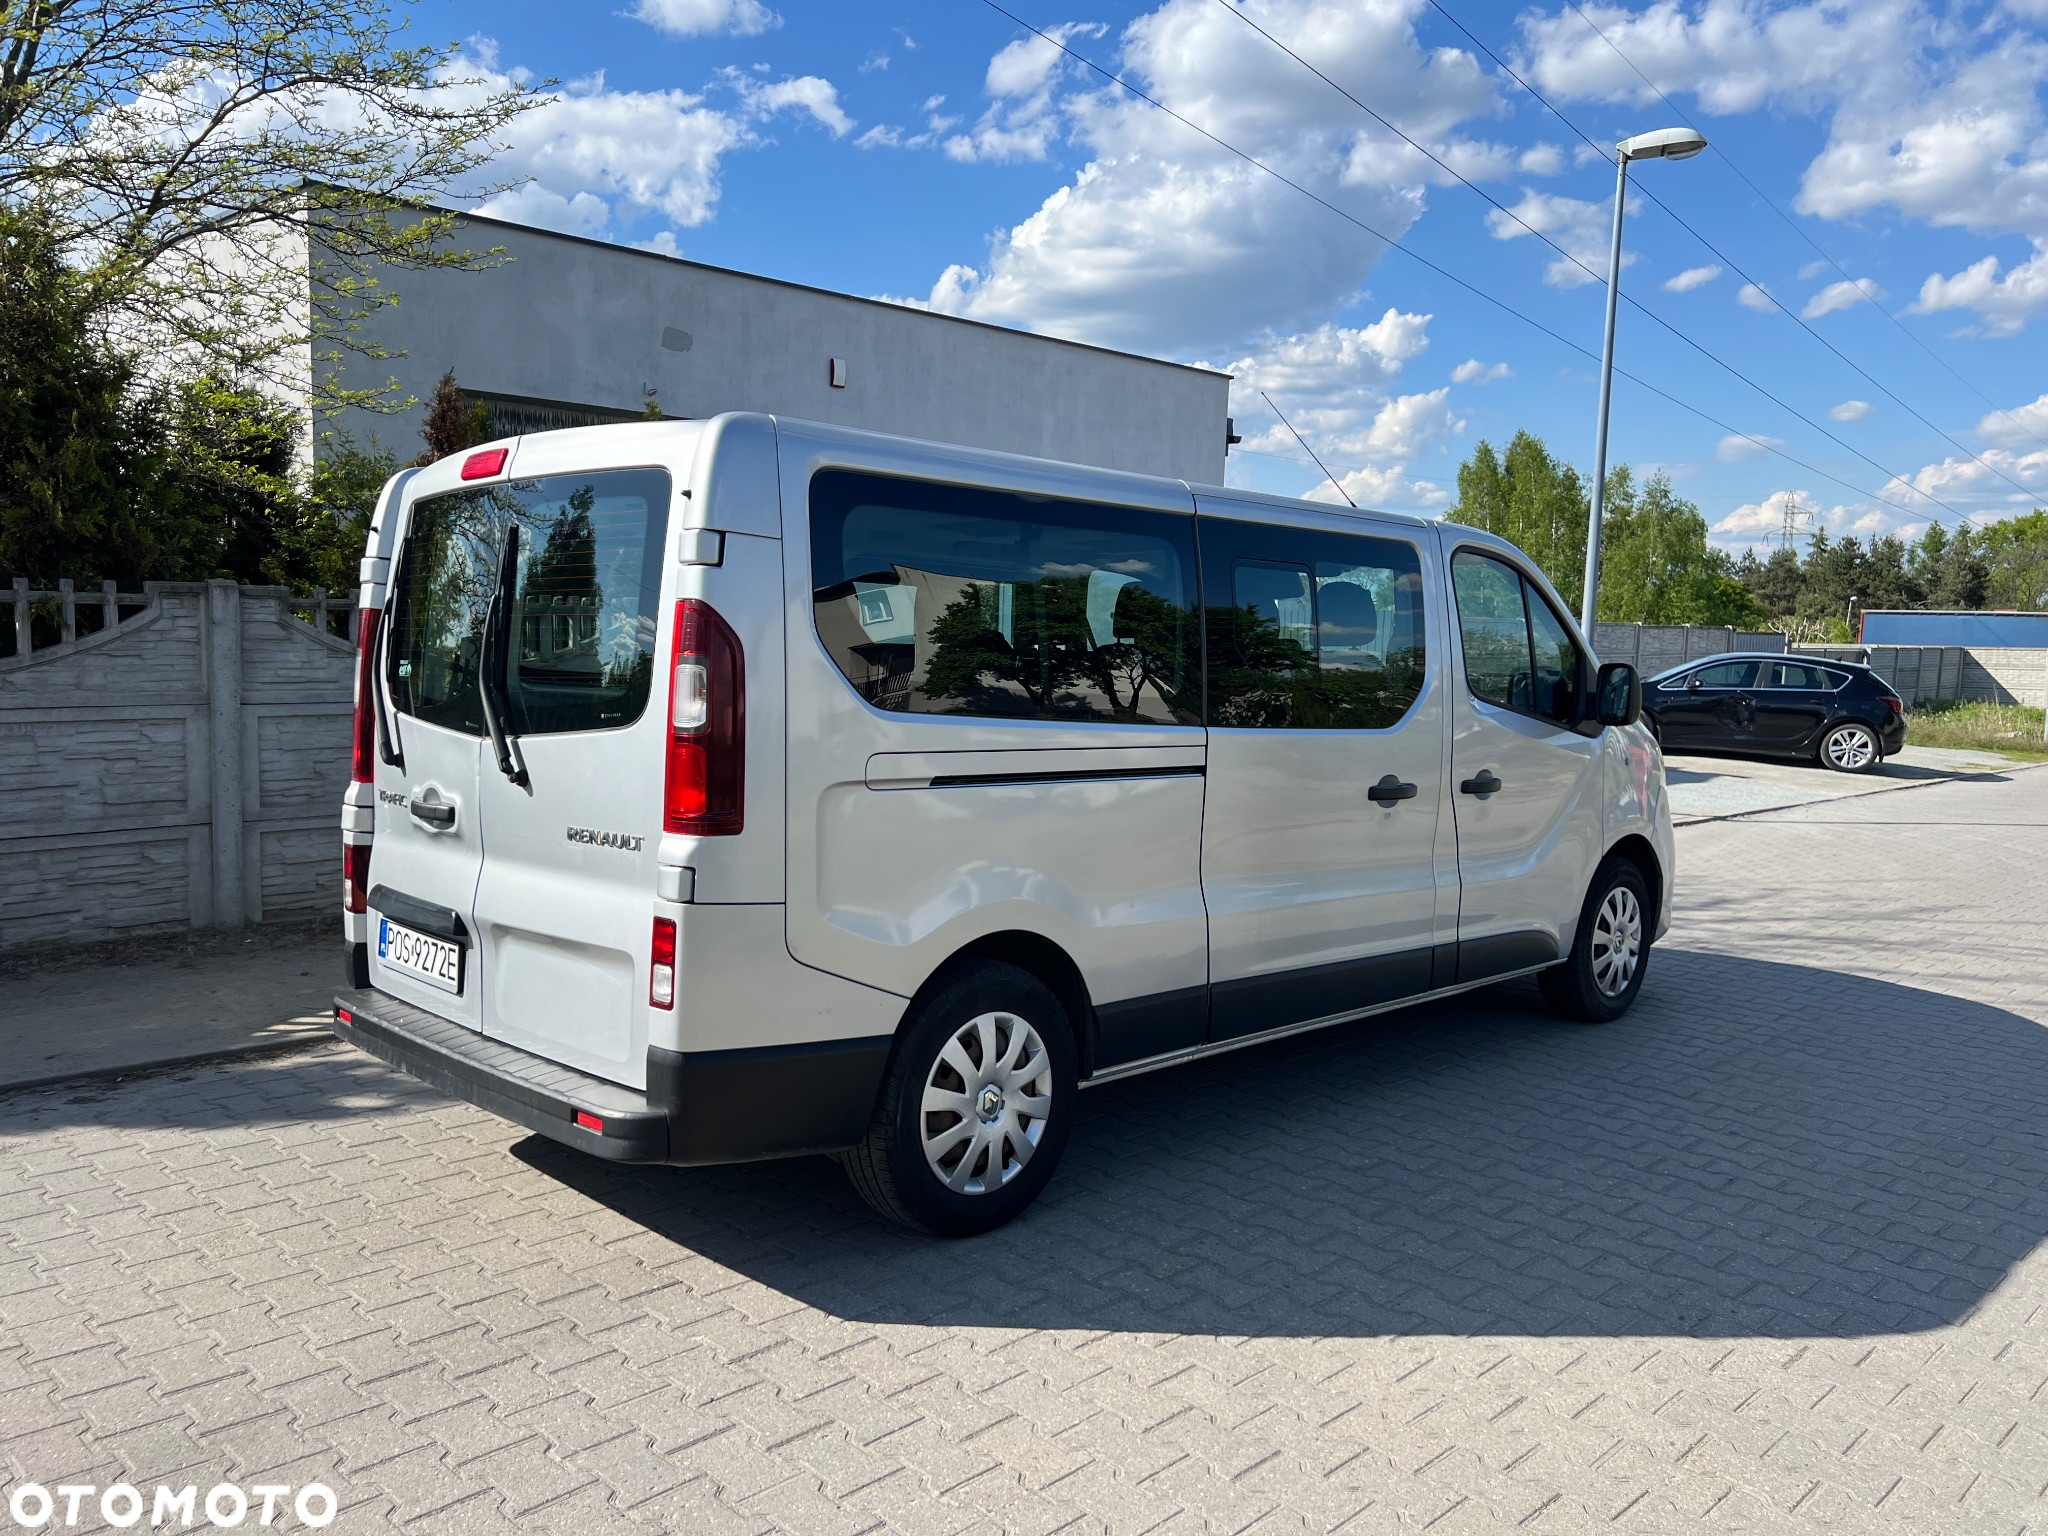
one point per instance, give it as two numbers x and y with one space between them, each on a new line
1388 790
1485 784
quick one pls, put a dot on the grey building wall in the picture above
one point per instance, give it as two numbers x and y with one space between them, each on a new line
183 767
564 319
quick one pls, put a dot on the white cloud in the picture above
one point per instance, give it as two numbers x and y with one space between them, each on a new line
1473 371
1977 480
1814 269
1334 383
691 18
590 159
1583 229
1383 489
1750 296
1691 278
1853 410
1023 118
2022 426
1736 447
1541 160
1166 242
806 93
1842 295
2005 304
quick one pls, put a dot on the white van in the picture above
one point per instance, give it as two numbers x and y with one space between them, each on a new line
740 788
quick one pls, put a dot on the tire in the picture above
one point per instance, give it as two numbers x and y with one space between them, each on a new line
1851 747
1584 986
970 1184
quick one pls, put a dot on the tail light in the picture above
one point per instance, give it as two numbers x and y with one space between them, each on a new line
355 875
707 741
661 970
366 704
1896 705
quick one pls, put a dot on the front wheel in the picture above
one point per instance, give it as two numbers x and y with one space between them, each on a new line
976 1108
1851 747
1598 981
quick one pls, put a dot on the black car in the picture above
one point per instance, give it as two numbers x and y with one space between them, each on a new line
1842 714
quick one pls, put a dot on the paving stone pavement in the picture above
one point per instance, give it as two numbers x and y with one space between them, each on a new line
1766 1256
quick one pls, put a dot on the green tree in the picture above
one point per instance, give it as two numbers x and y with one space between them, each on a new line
183 150
1776 583
454 421
2016 556
1534 501
1657 566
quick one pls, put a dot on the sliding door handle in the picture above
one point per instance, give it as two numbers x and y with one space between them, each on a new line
1485 784
1388 790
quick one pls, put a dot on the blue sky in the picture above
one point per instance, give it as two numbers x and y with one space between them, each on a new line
933 151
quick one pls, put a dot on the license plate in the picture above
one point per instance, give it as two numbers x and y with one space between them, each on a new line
434 961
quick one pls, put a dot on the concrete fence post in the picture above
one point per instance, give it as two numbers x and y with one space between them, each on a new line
21 629
224 722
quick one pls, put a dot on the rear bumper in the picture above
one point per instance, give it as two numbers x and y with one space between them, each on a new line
699 1107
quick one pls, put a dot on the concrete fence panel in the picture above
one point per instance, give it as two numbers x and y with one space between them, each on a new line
1650 648
182 764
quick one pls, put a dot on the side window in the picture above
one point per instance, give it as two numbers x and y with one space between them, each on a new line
578 654
1494 620
1310 630
1792 674
951 600
1727 674
1518 652
1557 670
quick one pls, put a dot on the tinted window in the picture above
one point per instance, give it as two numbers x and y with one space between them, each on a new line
1319 631
1494 620
440 596
1518 652
578 652
1557 662
949 600
1792 674
1724 674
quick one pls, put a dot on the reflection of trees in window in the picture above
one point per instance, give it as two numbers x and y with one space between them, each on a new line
1260 678
1051 665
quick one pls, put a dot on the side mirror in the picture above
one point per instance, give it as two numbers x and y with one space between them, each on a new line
1692 684
1618 694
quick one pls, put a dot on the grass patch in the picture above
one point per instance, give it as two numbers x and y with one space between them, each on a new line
2014 729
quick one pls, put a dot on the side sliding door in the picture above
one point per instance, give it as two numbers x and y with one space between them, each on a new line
1326 794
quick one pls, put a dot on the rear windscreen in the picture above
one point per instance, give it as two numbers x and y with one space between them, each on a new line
581 555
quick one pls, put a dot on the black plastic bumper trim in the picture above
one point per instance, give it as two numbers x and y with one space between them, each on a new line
541 1095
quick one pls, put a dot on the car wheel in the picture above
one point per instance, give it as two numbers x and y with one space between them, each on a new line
1598 981
976 1106
1851 747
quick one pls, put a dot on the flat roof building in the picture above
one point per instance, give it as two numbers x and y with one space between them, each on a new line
1977 628
567 331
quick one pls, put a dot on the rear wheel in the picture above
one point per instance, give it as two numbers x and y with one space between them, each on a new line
976 1108
1610 954
1851 747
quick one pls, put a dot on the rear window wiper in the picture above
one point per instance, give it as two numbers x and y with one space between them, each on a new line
510 762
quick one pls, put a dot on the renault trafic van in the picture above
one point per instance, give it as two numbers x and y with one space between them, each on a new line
741 788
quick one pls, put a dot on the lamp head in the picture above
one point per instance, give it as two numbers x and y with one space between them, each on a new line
1663 144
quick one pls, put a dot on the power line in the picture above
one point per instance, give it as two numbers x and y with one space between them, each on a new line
1800 230
1449 276
1789 222
1634 302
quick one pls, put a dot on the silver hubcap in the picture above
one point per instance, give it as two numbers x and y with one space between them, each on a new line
1617 941
985 1103
1852 747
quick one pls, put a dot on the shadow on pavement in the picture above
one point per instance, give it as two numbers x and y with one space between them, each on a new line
1759 1149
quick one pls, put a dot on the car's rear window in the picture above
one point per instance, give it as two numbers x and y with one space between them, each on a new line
578 649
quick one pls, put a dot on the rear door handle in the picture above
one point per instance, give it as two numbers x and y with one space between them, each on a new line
1390 789
439 817
1485 784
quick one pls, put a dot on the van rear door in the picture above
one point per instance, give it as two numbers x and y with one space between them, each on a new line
429 846
564 905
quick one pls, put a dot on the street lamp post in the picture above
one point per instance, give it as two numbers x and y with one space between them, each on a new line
1664 144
